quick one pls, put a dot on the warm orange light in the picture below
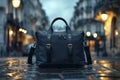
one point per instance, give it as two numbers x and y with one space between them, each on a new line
104 16
11 32
16 3
116 33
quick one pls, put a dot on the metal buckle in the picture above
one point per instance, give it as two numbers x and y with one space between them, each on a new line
69 45
48 46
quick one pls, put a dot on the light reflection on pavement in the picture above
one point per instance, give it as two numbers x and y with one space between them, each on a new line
18 69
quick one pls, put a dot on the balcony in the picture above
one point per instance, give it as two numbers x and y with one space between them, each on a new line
110 5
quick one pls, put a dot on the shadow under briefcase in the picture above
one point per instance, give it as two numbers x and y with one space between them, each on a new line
61 49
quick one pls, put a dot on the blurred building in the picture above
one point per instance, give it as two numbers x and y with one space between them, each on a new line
34 17
18 25
108 11
83 20
3 4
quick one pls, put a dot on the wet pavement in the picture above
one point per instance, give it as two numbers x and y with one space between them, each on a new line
15 68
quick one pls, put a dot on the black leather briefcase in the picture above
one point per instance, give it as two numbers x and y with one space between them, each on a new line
61 49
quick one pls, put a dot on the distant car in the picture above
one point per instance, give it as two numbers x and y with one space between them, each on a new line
26 49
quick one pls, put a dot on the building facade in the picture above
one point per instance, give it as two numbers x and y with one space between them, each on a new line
111 9
34 17
2 26
19 24
83 20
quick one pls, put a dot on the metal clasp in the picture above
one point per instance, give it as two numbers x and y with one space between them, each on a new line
48 46
69 45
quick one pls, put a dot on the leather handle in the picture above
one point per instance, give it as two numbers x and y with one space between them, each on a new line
62 19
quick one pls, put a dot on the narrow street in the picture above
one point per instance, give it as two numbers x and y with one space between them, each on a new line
62 27
16 68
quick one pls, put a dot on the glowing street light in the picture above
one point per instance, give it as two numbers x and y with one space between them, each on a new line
104 16
23 30
88 34
11 32
116 33
95 35
16 3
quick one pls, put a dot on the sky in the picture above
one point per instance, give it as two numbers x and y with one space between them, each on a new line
59 8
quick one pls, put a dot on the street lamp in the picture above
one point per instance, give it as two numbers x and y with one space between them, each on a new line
10 32
88 34
95 35
104 16
16 3
116 33
23 30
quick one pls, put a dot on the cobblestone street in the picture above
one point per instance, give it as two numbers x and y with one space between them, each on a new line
15 68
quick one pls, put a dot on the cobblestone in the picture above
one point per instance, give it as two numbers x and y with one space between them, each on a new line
16 68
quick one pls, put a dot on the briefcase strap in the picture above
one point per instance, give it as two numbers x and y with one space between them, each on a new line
49 49
70 48
87 52
70 53
31 53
